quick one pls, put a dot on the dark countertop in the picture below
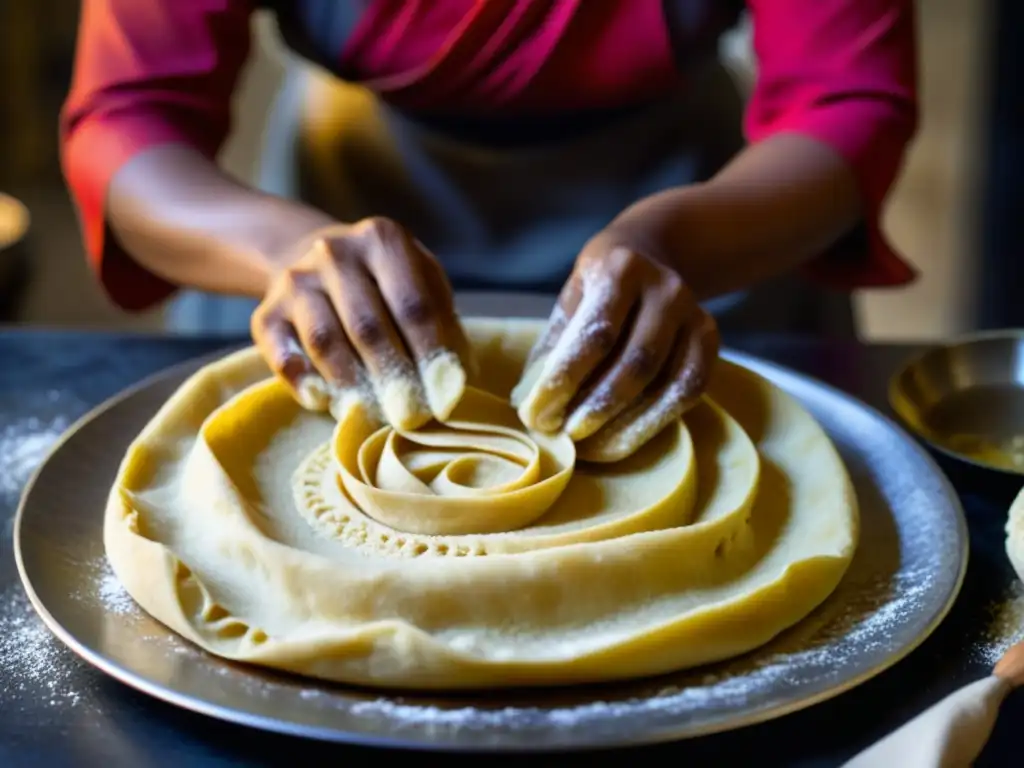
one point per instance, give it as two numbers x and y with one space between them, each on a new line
63 712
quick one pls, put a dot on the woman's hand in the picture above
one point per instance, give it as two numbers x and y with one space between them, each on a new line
363 315
627 350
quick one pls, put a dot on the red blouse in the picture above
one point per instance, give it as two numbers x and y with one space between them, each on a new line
162 71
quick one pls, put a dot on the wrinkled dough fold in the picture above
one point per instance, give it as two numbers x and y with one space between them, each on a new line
476 473
475 553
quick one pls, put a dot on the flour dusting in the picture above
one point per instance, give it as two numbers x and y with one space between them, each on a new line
24 444
113 596
32 661
584 334
101 588
1005 626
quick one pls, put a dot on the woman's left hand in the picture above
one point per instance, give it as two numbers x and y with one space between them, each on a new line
627 350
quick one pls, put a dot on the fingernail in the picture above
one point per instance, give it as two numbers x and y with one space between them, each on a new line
401 400
444 381
549 400
582 424
527 381
314 393
539 396
544 408
552 417
596 410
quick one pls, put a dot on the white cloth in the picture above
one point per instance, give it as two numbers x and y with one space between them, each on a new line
951 734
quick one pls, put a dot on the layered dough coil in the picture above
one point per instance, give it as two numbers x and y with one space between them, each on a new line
475 553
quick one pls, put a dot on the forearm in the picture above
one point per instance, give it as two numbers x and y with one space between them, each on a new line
185 220
777 204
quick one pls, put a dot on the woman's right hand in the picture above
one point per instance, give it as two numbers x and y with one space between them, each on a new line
362 314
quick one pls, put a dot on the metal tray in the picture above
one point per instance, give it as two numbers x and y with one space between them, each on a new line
904 578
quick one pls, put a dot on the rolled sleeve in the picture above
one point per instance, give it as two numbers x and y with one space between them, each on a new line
147 72
842 72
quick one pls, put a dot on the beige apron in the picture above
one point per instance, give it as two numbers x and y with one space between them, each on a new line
508 215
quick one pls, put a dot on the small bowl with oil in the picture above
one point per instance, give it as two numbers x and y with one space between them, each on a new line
965 398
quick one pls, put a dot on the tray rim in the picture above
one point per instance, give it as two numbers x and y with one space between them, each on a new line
771 370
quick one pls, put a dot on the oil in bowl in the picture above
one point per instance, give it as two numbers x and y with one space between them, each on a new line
984 424
966 398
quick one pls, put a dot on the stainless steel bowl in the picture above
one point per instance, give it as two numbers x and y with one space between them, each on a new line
966 399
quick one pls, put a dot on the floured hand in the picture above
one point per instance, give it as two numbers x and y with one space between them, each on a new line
363 316
627 350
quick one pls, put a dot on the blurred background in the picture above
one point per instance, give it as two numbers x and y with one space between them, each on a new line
949 214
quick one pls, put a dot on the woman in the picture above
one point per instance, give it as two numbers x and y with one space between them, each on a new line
586 148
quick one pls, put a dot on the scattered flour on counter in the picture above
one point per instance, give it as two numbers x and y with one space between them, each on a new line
32 661
23 446
1005 626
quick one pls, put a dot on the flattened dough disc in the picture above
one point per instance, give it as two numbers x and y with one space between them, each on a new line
268 534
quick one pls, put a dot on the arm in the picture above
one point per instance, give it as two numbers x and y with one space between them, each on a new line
833 110
148 110
190 224
349 313
793 196
628 348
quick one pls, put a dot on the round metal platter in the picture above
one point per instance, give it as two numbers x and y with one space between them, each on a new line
906 574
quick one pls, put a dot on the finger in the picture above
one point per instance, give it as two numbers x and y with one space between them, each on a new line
323 339
455 335
568 300
668 399
422 313
279 345
398 267
565 307
325 345
456 338
533 367
365 318
444 382
588 338
644 354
